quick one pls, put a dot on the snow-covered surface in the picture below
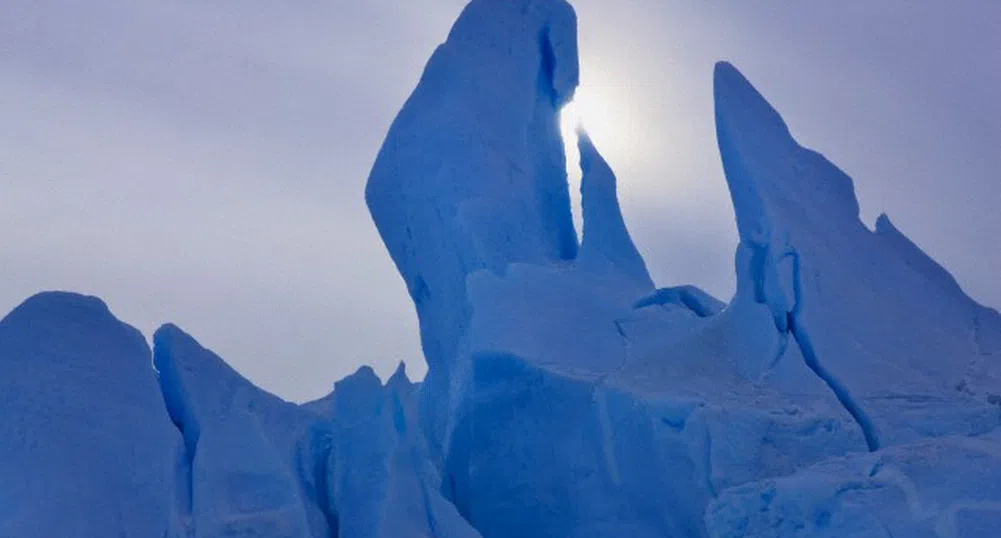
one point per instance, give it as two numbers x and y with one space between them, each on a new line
935 488
849 388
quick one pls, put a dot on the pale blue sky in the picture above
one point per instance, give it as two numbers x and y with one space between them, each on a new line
203 163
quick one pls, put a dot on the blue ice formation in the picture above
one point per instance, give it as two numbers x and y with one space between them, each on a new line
383 483
86 445
849 388
472 174
253 464
886 328
605 242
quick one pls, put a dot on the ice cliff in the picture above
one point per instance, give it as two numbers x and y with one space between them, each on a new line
850 388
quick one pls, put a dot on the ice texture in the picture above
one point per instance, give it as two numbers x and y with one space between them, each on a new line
886 327
380 476
86 445
849 388
472 174
934 488
255 465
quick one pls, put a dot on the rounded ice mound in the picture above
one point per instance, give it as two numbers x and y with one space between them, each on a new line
82 418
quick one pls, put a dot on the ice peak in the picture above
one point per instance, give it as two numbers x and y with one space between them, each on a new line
494 27
357 395
80 412
399 377
605 238
61 307
589 156
175 349
564 396
472 174
736 96
766 168
72 328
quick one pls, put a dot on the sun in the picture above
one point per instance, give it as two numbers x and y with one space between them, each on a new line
593 113
583 112
612 122
570 120
598 110
573 118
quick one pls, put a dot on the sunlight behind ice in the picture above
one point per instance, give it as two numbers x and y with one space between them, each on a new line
601 110
570 122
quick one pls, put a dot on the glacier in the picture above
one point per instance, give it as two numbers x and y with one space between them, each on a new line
849 388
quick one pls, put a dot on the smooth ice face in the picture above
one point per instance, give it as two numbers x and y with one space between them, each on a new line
86 445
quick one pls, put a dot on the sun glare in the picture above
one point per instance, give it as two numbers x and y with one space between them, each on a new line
612 121
596 110
570 121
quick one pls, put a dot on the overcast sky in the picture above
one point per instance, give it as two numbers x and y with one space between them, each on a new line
203 162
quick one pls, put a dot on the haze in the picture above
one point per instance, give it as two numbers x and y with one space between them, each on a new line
204 163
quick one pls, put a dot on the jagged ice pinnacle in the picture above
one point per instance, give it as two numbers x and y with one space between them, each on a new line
849 388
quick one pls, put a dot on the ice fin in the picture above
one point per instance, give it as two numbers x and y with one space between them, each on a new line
759 154
841 291
605 239
381 480
251 455
472 174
